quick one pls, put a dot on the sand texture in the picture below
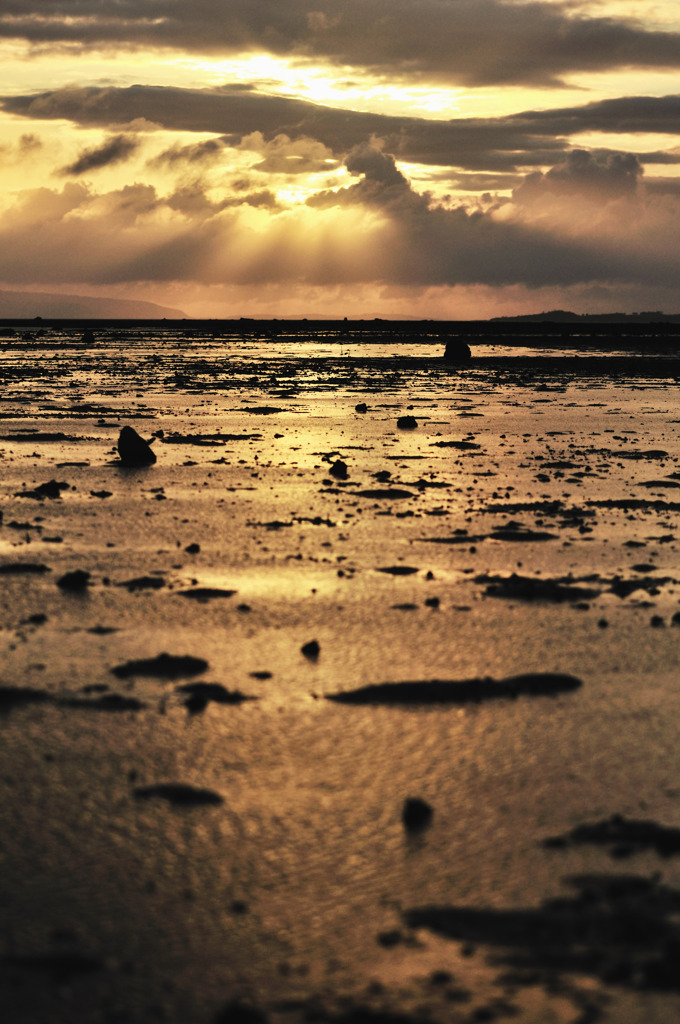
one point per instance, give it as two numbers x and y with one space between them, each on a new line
360 703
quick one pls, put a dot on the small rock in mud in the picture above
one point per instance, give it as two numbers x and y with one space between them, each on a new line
75 582
416 814
339 470
407 423
203 594
311 650
164 666
133 449
361 407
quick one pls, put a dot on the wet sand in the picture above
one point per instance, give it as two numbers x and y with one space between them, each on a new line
225 674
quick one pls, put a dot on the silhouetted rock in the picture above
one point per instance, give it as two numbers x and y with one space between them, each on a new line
311 650
416 814
75 581
133 449
456 352
407 423
361 407
339 470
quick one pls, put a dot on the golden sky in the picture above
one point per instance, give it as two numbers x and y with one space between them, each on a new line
430 158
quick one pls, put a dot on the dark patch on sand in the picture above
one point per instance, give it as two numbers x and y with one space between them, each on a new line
105 702
143 583
444 691
399 570
623 836
199 695
205 594
23 569
620 929
12 697
527 588
461 446
387 493
61 967
208 440
164 666
51 489
180 794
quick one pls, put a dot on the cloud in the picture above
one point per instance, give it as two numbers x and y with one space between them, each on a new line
533 138
602 176
468 42
376 231
282 155
114 151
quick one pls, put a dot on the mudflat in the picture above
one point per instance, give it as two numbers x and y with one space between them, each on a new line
359 703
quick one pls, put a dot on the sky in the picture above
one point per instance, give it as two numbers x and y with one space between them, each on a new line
444 159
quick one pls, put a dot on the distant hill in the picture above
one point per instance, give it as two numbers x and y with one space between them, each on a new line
28 305
561 316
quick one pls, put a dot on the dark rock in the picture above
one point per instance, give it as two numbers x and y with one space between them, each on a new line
339 470
192 549
361 407
133 449
164 666
179 793
456 352
311 650
407 423
416 814
75 581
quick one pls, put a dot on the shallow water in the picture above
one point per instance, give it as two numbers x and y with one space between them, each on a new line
302 893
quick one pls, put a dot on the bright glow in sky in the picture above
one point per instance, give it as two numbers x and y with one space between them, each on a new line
394 157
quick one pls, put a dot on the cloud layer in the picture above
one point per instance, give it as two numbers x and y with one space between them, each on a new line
468 42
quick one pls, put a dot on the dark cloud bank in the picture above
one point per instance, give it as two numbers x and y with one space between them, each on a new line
533 138
468 42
